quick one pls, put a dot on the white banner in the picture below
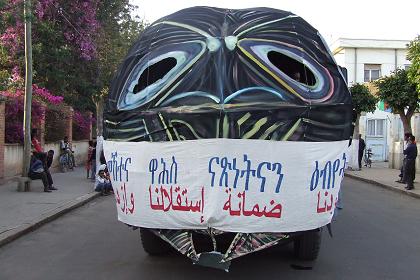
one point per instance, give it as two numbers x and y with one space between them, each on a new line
227 184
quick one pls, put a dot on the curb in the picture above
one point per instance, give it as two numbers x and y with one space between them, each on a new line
47 217
391 188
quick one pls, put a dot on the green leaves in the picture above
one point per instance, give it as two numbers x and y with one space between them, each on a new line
363 100
398 92
414 56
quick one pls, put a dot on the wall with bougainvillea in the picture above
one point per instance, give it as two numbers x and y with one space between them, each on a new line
82 123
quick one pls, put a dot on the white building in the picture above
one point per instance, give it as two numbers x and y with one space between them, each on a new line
367 60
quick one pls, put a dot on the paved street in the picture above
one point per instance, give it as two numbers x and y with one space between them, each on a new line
377 236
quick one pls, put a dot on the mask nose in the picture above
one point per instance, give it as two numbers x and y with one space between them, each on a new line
220 49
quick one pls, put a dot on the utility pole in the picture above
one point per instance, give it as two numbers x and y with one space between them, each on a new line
28 89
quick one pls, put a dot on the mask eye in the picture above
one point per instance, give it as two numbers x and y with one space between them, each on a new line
155 72
291 66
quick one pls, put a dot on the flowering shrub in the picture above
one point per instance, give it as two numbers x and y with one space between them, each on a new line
39 94
14 116
81 125
78 30
15 109
78 23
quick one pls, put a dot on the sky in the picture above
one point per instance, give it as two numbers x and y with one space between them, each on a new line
359 19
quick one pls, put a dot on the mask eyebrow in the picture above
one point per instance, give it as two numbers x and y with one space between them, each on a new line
186 26
244 32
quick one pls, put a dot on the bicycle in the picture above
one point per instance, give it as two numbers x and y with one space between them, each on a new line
66 161
367 158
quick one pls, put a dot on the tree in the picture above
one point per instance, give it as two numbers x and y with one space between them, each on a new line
414 56
363 101
119 30
400 94
77 46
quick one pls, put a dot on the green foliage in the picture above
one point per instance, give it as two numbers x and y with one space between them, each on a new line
414 56
398 92
363 100
119 30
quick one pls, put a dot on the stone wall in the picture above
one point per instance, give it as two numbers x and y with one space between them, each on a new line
13 156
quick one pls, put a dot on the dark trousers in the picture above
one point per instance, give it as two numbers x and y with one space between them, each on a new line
402 169
44 176
49 177
360 159
409 172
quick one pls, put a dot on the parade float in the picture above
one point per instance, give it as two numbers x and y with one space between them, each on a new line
226 132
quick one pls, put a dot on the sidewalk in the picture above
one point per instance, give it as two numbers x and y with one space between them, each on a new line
385 177
21 212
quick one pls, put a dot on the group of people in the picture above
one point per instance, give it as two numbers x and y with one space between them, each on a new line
408 169
41 162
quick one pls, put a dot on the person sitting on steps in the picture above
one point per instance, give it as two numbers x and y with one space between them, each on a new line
38 170
103 182
45 159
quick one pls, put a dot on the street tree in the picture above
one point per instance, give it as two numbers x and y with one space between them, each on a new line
400 94
119 30
363 101
414 56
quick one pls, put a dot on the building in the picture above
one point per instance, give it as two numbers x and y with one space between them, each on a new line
367 60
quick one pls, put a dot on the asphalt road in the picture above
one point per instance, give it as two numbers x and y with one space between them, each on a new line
376 236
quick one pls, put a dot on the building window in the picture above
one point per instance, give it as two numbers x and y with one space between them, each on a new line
375 128
372 72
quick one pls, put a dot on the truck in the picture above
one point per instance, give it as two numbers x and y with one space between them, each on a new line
226 132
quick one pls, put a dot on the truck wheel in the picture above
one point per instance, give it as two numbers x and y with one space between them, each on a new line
153 244
308 244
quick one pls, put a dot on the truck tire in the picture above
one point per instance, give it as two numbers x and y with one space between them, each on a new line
153 244
308 244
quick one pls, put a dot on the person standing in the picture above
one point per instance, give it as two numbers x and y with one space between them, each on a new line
36 145
89 160
66 149
406 137
362 147
92 160
410 154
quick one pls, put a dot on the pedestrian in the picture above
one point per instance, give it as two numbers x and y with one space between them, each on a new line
410 162
48 163
362 147
103 182
89 160
65 148
36 145
92 160
50 157
405 144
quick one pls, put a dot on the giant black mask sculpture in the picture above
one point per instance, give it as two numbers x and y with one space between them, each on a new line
214 73
208 73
